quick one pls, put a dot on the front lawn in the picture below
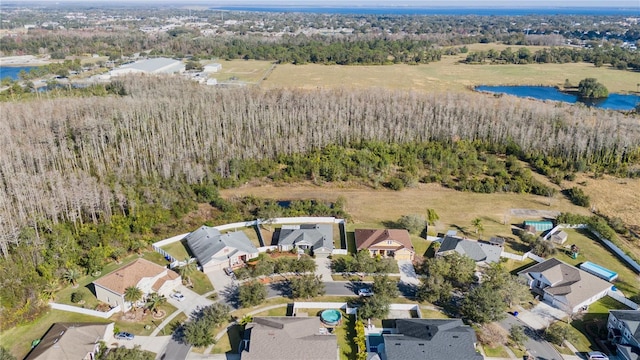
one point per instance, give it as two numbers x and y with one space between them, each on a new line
201 283
146 325
496 352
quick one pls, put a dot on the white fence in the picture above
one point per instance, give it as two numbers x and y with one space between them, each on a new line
618 296
100 314
509 255
323 305
267 248
339 252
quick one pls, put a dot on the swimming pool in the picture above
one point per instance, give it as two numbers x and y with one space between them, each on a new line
331 317
599 271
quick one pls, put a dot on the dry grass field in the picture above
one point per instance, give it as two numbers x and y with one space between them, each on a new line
369 207
250 71
446 75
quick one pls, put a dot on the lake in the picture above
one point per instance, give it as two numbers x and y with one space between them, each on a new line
613 102
13 71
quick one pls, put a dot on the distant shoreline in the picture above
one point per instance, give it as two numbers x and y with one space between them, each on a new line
24 60
417 10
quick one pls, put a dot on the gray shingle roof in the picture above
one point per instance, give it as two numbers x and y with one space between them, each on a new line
206 243
476 250
69 341
568 281
631 318
315 235
431 339
287 337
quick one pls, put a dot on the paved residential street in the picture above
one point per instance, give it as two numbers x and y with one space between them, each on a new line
537 347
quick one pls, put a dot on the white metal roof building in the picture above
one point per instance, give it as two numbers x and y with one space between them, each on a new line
150 66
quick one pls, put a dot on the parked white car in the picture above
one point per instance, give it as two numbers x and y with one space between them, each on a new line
365 292
178 296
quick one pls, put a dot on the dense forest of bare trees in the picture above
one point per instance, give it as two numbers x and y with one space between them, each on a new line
67 159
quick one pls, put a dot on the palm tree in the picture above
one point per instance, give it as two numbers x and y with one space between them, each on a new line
154 300
187 270
432 217
71 276
477 223
50 289
132 294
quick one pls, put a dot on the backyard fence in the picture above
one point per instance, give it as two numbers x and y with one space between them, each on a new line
621 298
75 309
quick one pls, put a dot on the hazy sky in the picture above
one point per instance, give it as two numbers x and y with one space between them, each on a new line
388 3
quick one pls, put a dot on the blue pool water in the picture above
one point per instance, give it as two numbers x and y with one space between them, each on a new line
599 271
331 316
613 102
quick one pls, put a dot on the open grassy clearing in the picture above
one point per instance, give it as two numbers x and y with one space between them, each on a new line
445 75
497 351
243 70
373 208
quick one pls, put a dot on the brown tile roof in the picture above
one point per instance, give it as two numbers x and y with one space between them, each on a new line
365 238
171 275
130 275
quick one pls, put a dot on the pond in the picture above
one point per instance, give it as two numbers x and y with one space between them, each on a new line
13 71
613 102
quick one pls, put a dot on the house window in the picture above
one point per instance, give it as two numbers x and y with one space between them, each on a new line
389 242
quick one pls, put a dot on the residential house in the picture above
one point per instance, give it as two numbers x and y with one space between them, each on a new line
394 243
317 238
212 68
72 341
624 332
288 338
430 339
216 251
147 276
478 250
564 286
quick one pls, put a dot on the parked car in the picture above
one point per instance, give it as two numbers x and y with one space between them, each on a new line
597 355
228 271
124 336
365 292
178 296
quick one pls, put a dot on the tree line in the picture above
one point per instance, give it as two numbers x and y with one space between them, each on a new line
85 181
617 57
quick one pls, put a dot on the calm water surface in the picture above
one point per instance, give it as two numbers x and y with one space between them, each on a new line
13 71
613 102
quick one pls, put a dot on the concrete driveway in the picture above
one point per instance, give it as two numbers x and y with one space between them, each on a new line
324 268
155 344
191 302
219 279
541 316
408 272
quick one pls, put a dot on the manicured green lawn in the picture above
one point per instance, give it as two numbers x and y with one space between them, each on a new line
18 339
178 250
420 245
345 333
140 327
201 283
497 351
